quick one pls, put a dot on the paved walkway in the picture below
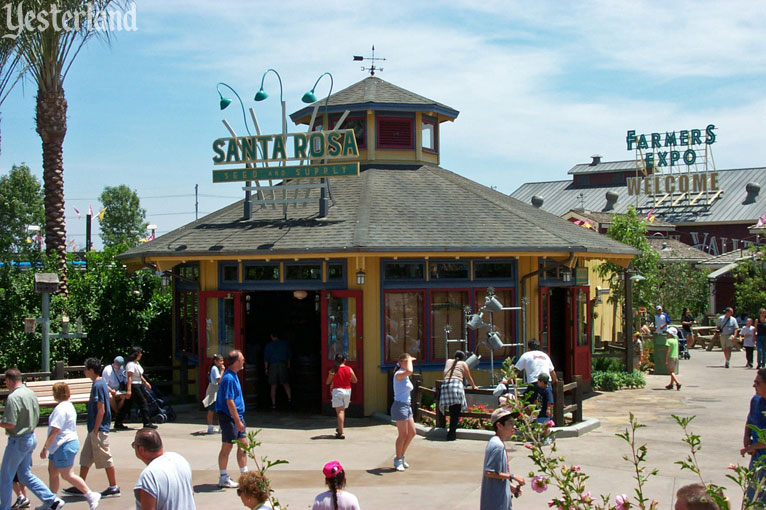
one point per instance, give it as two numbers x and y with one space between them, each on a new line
447 475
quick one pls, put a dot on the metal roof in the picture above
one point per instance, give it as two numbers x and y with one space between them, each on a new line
373 93
603 167
731 206
413 208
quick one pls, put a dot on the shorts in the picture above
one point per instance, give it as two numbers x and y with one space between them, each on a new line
229 432
341 397
278 373
728 341
672 362
64 455
96 450
211 408
401 411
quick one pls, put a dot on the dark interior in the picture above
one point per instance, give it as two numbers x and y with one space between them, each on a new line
558 328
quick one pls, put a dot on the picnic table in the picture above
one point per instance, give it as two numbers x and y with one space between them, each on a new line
708 337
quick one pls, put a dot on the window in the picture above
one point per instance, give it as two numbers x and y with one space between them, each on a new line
395 133
428 135
403 324
582 318
404 271
265 272
303 272
230 273
187 320
449 270
447 308
505 325
493 270
358 124
189 271
334 271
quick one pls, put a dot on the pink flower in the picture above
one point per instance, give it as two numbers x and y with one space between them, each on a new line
576 468
551 504
550 423
529 446
539 484
622 502
732 466
586 497
503 400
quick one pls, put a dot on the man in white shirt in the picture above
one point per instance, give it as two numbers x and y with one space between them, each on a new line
116 380
535 361
166 481
728 327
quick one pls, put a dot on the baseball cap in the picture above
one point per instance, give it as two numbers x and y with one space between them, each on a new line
498 414
542 376
119 361
658 307
331 469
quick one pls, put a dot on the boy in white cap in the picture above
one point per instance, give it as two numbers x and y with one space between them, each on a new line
497 481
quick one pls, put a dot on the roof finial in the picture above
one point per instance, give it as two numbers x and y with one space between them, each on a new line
372 68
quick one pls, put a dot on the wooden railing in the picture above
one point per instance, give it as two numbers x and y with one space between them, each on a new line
560 408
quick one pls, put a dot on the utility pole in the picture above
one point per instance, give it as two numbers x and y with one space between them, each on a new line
87 233
196 201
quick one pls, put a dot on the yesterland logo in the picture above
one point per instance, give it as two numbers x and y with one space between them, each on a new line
15 19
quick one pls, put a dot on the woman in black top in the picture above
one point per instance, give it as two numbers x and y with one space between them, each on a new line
760 337
687 319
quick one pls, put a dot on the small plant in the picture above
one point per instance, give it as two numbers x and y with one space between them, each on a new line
264 465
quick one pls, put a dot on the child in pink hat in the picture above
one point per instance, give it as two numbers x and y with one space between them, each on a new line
336 498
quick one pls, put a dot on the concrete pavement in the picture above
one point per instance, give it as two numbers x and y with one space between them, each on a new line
448 475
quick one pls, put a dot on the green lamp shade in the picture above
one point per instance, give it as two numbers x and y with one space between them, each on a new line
309 97
225 102
261 95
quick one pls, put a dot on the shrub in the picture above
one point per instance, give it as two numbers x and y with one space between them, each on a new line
613 381
607 364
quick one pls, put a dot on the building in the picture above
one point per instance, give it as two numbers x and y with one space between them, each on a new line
390 266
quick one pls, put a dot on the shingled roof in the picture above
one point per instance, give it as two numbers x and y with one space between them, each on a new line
388 209
673 250
372 93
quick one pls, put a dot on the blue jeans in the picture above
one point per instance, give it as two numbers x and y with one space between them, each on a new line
17 459
760 342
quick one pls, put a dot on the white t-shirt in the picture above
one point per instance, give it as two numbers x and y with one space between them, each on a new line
660 323
64 418
137 370
111 377
214 375
533 363
748 332
346 501
168 479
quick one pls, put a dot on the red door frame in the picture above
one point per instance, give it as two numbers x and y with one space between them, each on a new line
578 356
206 362
357 393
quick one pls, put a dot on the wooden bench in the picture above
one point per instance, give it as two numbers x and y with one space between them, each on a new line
79 391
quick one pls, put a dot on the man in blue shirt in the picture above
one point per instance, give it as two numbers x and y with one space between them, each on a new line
276 358
230 406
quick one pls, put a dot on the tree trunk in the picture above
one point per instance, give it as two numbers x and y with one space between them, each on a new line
51 126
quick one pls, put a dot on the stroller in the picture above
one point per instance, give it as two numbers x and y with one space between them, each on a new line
683 350
159 407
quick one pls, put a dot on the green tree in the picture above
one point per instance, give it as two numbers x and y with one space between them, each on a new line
631 229
683 284
21 205
750 285
123 221
47 56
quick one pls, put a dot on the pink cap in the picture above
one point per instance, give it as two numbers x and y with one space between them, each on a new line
331 469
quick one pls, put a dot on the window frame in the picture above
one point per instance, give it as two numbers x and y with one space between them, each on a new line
382 118
430 121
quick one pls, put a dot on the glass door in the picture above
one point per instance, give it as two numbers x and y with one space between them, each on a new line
220 327
342 334
578 333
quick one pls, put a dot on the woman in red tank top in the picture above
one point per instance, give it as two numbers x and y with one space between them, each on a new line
340 379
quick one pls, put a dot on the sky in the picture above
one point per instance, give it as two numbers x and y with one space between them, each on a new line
540 87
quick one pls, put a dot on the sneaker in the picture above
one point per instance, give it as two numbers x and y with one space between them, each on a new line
120 426
93 498
404 463
56 505
21 502
227 483
111 492
726 365
212 430
398 464
73 491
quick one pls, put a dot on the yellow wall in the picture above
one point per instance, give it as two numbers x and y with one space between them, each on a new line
603 324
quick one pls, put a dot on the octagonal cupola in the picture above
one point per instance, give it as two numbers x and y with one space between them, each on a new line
392 124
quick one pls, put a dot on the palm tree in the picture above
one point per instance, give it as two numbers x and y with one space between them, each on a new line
48 55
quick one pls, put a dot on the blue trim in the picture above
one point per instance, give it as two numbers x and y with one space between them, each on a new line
288 285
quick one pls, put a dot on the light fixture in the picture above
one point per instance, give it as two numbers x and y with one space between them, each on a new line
225 102
309 96
360 277
261 94
300 294
566 274
638 278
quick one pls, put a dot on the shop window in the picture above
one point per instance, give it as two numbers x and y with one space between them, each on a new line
582 318
230 273
264 272
395 133
494 270
188 271
428 135
505 325
358 124
303 272
449 270
187 321
404 271
447 308
403 324
334 272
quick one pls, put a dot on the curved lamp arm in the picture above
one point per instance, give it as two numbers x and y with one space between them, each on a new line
226 102
309 97
261 94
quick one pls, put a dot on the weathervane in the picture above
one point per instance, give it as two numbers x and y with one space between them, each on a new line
372 68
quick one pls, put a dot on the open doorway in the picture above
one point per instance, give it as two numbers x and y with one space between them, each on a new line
559 322
296 321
